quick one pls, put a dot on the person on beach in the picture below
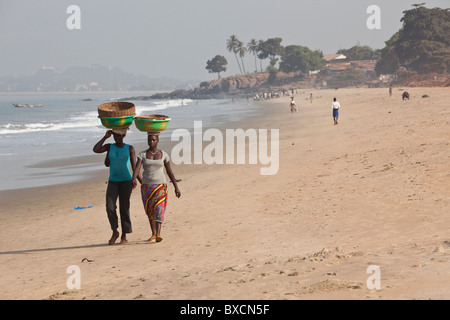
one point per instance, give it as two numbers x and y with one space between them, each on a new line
120 158
293 105
154 188
335 106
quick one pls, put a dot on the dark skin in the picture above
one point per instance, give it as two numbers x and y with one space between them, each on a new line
101 147
153 153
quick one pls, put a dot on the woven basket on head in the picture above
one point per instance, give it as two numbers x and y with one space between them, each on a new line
116 109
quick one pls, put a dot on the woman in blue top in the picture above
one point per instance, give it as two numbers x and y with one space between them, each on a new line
120 158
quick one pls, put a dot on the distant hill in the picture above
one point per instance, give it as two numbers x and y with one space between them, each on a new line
93 78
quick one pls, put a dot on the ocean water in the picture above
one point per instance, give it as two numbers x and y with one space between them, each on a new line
48 145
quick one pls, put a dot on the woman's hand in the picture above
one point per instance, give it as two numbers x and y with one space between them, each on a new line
177 192
108 134
99 146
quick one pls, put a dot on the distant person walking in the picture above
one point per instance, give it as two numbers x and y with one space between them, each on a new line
120 159
293 105
335 106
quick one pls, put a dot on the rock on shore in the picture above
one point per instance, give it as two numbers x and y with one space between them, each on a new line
216 89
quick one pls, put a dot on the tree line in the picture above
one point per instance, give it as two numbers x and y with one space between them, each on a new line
291 58
421 45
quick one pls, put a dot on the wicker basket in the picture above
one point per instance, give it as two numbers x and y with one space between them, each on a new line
116 109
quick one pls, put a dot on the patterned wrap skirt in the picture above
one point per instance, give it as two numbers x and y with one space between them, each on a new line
154 198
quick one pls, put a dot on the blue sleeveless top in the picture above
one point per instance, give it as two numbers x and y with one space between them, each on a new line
119 163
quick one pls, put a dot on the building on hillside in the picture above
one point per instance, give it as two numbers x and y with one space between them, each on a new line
337 63
332 68
334 58
365 66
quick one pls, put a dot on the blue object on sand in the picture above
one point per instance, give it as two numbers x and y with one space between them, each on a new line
78 208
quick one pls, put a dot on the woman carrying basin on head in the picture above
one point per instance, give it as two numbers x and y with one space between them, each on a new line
154 187
121 160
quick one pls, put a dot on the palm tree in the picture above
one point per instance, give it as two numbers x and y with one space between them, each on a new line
241 49
252 47
232 45
260 43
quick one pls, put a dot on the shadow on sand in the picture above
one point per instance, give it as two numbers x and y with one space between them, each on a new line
28 251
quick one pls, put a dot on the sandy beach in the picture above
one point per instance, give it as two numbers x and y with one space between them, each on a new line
371 191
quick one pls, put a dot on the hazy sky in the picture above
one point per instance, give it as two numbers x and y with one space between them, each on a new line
175 38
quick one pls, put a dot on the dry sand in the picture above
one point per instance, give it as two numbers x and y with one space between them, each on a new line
373 190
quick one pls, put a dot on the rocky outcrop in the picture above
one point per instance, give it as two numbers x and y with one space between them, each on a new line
217 89
237 84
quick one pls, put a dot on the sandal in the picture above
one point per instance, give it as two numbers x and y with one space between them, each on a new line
158 239
152 239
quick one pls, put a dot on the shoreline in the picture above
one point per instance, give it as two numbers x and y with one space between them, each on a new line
371 191
99 174
49 169
78 92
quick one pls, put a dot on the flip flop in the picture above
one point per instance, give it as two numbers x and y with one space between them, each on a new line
152 239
